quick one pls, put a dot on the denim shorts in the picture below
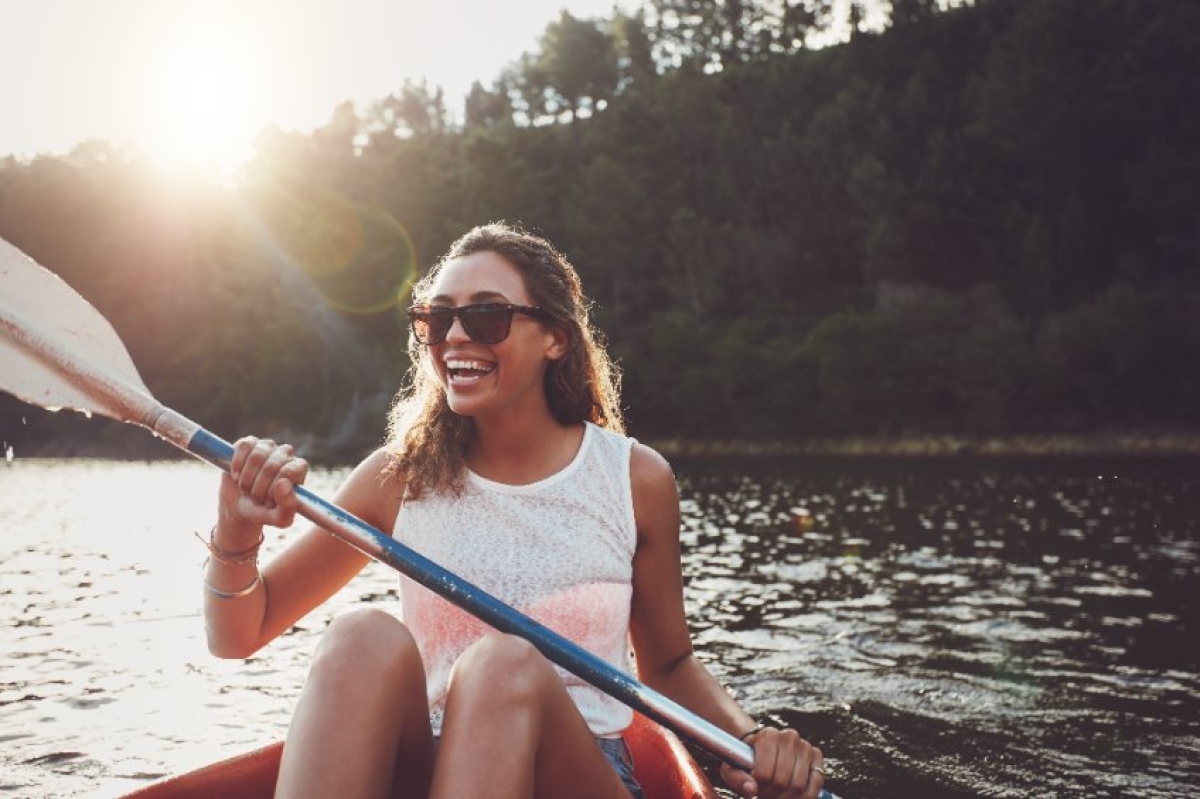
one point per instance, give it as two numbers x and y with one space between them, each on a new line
617 752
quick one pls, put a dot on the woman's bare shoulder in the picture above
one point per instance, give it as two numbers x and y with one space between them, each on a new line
648 469
374 489
655 495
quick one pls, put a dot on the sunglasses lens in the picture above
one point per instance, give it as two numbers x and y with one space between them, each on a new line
430 325
487 324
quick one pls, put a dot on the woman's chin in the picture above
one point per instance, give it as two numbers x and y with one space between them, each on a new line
461 405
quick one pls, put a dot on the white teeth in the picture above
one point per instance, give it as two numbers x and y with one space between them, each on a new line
479 366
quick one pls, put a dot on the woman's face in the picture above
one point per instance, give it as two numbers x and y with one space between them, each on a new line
482 379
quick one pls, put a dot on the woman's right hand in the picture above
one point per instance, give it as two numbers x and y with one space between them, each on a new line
260 485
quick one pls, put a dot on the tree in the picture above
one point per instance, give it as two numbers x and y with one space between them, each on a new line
856 15
575 69
413 111
485 108
339 135
635 48
908 12
713 34
986 221
609 199
717 34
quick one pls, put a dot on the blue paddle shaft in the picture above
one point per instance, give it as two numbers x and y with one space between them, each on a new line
487 608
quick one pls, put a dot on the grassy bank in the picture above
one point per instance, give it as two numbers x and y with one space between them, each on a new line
1044 444
102 439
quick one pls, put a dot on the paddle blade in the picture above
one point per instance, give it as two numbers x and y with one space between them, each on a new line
57 351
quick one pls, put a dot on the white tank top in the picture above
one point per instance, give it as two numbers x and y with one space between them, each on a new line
559 550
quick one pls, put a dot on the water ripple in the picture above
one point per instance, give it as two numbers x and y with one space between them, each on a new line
941 628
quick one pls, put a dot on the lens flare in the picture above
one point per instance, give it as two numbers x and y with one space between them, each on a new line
357 255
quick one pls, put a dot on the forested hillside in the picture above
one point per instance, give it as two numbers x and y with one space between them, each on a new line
979 219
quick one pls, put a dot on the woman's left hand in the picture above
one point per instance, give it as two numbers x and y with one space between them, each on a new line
785 767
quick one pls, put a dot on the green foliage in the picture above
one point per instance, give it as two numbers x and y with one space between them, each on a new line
1125 354
717 34
484 109
574 69
985 218
890 368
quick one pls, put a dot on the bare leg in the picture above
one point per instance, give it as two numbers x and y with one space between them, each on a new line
511 730
361 727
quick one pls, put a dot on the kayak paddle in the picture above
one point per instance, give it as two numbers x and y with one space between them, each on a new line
57 351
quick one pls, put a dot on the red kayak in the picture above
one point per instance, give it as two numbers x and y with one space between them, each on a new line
661 763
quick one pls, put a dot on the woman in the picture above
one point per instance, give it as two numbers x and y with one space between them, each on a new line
506 464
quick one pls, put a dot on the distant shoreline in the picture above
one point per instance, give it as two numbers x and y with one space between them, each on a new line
944 445
1158 444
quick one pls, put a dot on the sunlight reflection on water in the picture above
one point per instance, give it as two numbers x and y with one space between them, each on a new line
107 679
943 632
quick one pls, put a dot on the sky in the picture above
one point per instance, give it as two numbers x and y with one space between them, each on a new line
193 82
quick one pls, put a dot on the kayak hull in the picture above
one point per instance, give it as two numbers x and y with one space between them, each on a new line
661 763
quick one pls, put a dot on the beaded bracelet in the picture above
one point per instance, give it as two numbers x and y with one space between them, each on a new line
219 594
240 558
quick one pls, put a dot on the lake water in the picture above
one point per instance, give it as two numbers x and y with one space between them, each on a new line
942 628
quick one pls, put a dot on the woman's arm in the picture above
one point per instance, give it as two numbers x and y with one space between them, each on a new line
243 613
784 762
662 642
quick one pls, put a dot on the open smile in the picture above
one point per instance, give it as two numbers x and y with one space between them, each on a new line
465 372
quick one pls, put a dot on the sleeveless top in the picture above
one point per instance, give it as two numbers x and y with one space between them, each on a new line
559 550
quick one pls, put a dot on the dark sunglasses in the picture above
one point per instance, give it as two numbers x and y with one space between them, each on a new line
485 323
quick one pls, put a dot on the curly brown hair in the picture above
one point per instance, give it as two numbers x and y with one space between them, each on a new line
428 441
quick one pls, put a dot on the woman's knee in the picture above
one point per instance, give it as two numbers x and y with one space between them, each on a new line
504 667
368 641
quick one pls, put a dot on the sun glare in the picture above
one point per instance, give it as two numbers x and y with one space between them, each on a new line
201 97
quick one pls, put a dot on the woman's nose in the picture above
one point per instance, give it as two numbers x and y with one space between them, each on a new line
457 332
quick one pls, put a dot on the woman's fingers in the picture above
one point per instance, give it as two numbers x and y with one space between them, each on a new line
265 475
283 490
805 777
785 767
241 449
739 780
295 470
262 465
773 761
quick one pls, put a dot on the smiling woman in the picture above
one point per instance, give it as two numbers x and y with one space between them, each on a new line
203 84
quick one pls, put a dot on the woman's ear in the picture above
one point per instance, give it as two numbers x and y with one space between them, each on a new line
560 342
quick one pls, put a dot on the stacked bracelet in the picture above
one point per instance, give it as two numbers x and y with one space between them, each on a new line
229 558
219 594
